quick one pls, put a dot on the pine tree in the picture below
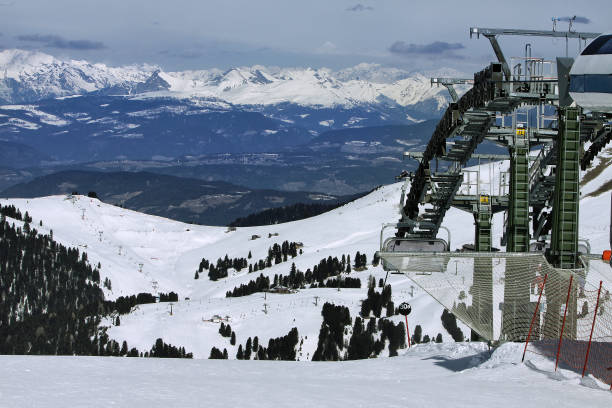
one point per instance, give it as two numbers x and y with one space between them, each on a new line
233 339
375 259
197 276
418 332
247 349
116 349
240 354
215 354
225 356
390 308
124 348
439 338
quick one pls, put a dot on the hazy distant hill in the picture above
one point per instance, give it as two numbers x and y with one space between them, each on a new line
183 199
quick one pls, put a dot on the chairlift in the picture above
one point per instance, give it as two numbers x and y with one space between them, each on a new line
414 244
411 246
584 247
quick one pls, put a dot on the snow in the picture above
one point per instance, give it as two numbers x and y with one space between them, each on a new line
457 375
600 169
24 124
304 86
170 252
143 253
43 117
47 76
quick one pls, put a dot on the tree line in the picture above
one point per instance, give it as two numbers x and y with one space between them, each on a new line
123 304
280 348
276 254
317 277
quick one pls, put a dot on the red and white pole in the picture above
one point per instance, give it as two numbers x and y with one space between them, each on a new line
534 316
407 331
586 359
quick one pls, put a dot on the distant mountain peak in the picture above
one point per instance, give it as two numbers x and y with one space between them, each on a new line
28 76
153 83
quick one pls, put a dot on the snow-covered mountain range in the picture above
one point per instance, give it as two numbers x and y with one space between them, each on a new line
75 111
27 76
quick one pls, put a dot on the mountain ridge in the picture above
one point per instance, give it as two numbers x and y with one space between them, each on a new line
27 76
179 198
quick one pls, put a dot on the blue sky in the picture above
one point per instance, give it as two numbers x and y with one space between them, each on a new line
192 34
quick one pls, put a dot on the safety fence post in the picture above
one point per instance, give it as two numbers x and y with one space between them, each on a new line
534 316
407 331
569 288
586 358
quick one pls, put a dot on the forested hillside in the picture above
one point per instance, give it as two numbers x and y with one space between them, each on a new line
51 300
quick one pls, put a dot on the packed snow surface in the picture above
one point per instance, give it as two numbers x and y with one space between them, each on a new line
434 375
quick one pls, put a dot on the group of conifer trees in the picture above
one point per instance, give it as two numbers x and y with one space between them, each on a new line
317 277
123 304
51 299
276 254
52 302
280 348
366 340
375 301
417 336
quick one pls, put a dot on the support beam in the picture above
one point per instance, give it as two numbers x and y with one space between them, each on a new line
518 205
516 289
564 244
500 56
482 290
492 33
449 82
477 31
483 156
452 92
482 222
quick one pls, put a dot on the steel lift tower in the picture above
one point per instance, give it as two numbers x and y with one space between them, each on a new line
518 106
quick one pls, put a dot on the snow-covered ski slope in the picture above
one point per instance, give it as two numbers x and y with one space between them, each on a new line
170 252
143 253
436 375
